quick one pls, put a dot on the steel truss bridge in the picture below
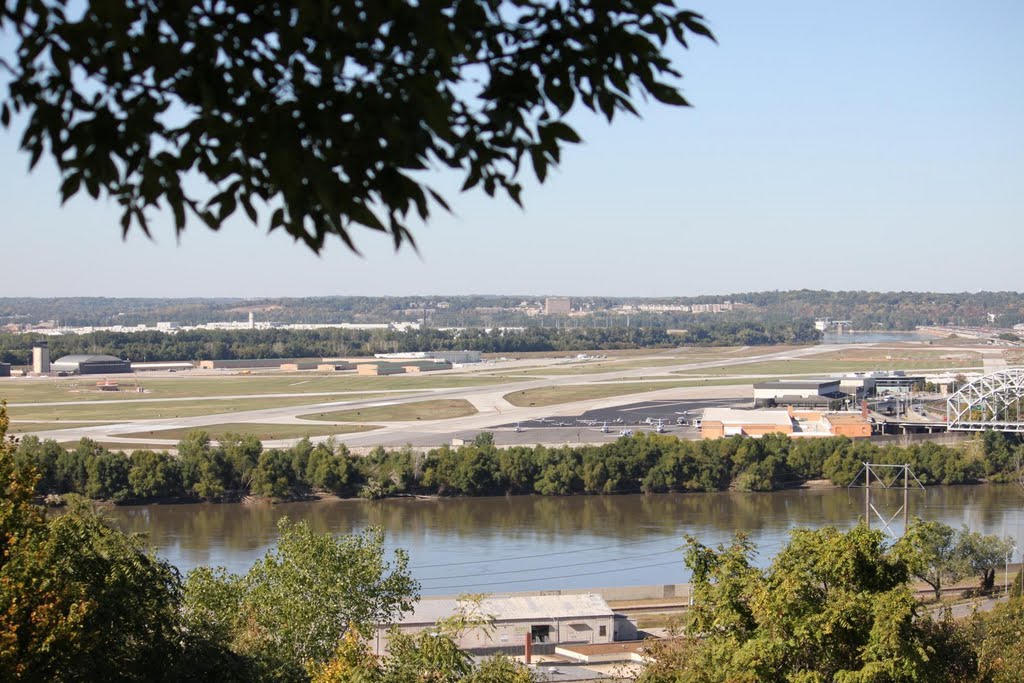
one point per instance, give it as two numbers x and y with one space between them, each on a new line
992 401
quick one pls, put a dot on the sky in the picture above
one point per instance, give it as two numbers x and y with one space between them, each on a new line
874 145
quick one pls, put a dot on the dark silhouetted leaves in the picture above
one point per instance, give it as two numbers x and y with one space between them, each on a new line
324 112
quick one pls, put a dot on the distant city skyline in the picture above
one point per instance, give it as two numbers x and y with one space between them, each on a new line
871 146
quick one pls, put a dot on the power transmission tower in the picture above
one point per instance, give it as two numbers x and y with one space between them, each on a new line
886 477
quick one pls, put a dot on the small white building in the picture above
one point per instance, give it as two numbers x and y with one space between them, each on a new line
545 619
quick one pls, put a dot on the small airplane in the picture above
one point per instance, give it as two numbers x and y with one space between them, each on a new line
660 427
517 428
626 432
604 428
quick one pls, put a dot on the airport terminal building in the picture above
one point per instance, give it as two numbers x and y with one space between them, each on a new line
82 364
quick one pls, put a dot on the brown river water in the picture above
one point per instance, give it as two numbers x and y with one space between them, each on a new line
521 543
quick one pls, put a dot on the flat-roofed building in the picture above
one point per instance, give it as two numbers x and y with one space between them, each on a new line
299 365
719 422
897 383
159 366
335 366
544 619
857 385
448 356
557 305
426 366
235 364
852 425
823 394
722 422
379 369
5 369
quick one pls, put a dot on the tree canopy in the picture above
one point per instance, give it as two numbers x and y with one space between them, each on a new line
832 606
323 114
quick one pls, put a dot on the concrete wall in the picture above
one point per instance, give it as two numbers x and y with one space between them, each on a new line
513 633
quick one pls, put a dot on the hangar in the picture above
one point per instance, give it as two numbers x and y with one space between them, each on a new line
82 364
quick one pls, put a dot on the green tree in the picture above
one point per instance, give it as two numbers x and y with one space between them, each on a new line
273 476
984 554
107 476
293 607
154 475
325 114
933 554
832 606
242 451
328 470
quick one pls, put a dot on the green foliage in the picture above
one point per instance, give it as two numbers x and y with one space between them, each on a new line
997 638
984 554
79 600
282 343
274 475
107 476
832 606
323 119
154 475
293 607
329 468
650 463
931 552
773 314
938 554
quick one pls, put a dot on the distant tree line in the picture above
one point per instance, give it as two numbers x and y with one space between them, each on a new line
239 465
276 343
867 310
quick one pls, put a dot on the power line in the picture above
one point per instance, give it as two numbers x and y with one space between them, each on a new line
553 578
530 557
558 566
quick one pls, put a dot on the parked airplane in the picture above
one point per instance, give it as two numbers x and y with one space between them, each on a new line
517 428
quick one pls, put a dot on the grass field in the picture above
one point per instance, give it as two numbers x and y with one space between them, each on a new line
668 358
37 390
29 427
127 411
263 432
121 446
440 409
549 396
882 353
810 366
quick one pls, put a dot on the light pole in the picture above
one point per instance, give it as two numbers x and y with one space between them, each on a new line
1006 571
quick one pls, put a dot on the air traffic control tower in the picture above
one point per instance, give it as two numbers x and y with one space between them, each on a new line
41 357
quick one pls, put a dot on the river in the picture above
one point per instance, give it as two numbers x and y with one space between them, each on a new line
534 542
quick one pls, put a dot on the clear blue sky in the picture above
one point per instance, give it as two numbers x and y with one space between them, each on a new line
835 145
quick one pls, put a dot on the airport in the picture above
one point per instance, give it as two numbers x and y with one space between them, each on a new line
426 400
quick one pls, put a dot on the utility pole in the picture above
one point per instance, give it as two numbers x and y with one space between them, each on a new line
888 478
